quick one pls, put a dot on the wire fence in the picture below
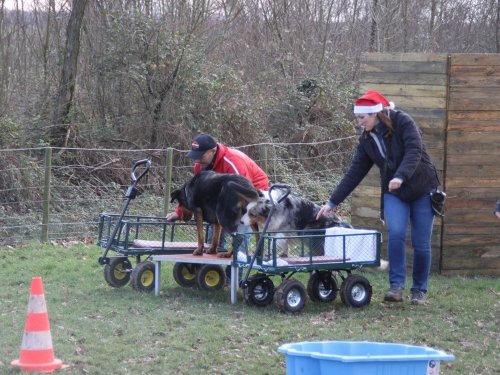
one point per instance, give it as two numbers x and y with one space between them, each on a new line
58 193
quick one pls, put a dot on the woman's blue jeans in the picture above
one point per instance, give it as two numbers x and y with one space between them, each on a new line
397 214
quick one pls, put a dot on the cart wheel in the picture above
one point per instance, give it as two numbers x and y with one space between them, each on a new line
117 271
322 286
356 291
260 291
291 296
185 274
210 277
143 277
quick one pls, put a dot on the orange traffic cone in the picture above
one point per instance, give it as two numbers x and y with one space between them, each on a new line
36 348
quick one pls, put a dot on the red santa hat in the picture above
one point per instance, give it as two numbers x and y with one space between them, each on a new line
372 102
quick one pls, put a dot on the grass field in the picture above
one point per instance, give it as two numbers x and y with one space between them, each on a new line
97 329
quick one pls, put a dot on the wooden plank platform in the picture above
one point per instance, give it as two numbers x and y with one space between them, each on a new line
167 245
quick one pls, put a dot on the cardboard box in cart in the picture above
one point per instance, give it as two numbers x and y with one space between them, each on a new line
360 245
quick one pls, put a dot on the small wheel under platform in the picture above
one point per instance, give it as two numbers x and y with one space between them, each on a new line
185 274
210 277
142 278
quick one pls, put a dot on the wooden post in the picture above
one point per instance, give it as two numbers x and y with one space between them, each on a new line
46 195
263 157
168 180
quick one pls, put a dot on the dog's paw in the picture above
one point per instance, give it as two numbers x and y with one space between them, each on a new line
198 252
212 250
225 255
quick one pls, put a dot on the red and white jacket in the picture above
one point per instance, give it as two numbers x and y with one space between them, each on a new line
232 161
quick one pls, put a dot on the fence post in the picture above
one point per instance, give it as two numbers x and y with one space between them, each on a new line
168 180
46 195
263 157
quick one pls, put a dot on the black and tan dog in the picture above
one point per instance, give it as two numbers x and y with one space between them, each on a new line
215 198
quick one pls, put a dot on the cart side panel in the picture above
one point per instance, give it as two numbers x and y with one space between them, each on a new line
147 235
308 250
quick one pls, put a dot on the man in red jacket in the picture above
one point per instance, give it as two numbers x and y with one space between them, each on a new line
207 154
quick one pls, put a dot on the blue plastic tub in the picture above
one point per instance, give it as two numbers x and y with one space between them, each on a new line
361 357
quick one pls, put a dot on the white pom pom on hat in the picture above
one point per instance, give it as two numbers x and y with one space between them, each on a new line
372 102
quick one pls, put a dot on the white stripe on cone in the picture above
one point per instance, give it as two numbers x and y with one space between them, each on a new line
37 304
37 340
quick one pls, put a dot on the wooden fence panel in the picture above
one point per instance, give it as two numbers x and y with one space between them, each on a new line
455 101
471 235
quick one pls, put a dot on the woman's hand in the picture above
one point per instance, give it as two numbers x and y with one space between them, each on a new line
395 184
324 211
497 214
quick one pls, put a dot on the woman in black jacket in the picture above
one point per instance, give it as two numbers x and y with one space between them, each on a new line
393 142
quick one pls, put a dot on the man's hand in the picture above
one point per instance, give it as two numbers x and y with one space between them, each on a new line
172 216
497 214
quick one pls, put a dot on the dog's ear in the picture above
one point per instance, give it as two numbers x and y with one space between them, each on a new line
175 196
266 208
268 204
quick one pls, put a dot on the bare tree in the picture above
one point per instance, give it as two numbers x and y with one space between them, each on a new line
497 25
60 131
3 56
374 28
148 70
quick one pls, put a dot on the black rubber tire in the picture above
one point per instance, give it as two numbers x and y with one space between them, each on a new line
210 277
185 274
322 286
117 271
142 278
356 291
260 291
291 296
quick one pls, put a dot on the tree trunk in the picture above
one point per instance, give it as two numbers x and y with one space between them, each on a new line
64 98
497 27
374 29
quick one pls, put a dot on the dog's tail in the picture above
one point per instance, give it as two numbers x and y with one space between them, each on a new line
247 192
384 266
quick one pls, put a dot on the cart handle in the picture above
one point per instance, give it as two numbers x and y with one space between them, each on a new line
147 165
285 187
129 194
260 243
